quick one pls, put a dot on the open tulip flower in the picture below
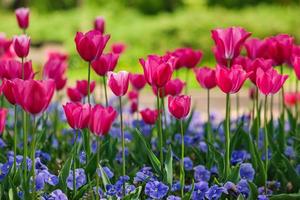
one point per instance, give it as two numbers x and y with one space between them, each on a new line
78 115
137 81
255 48
74 94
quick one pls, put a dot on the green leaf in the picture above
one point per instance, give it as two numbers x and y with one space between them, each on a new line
260 175
253 190
188 195
281 134
169 166
152 157
219 158
84 189
285 197
240 197
13 192
291 119
234 174
134 195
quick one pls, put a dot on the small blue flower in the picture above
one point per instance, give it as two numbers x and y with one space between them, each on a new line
243 187
188 164
199 190
107 171
262 197
82 157
2 144
230 186
214 170
4 169
99 192
111 190
203 147
172 197
156 189
289 152
239 156
175 186
215 192
247 172
57 195
79 176
201 173
144 175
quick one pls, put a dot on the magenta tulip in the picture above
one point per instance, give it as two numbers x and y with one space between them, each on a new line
118 48
11 69
101 119
22 15
206 77
149 116
138 81
105 63
252 67
77 114
55 69
4 44
255 48
74 94
290 98
296 65
179 106
133 95
158 70
174 87
228 43
82 87
118 82
187 57
34 96
230 80
8 89
99 24
91 44
269 81
21 45
3 114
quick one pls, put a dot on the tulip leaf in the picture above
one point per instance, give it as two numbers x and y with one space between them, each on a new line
219 158
169 167
285 197
281 134
85 191
234 174
253 190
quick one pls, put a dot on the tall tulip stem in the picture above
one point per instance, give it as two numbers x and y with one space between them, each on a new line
123 143
98 160
237 106
15 138
182 174
74 163
282 111
159 124
89 81
257 114
105 90
209 136
33 157
296 105
266 140
227 135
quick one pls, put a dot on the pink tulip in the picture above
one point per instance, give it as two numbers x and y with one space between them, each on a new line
82 87
137 81
118 48
118 82
174 87
252 67
99 24
256 48
22 15
187 57
77 114
133 106
296 65
4 44
21 45
34 96
133 95
179 106
3 114
149 116
8 89
269 82
206 77
101 119
11 69
252 93
105 63
158 70
228 42
74 94
244 61
230 80
55 69
290 98
58 55
91 44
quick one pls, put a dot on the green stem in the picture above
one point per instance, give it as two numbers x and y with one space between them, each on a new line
237 105
98 160
160 132
282 111
74 163
266 140
105 90
123 143
227 135
89 81
209 136
33 158
257 114
182 174
15 138
296 106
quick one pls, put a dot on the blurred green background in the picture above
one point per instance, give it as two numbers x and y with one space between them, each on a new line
149 26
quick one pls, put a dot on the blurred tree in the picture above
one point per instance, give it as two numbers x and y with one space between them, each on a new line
244 3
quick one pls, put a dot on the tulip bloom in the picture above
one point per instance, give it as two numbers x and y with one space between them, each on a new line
4 44
91 44
99 24
11 69
255 48
8 89
74 94
21 45
187 57
3 114
101 119
158 70
290 98
22 15
55 69
252 67
34 96
296 65
174 87
179 106
149 116
228 42
133 95
82 87
105 63
118 48
137 81
230 80
118 82
270 81
206 77
77 114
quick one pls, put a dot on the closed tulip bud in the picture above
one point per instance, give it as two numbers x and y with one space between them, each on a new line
228 43
133 95
118 82
118 48
91 44
34 96
99 24
137 81
101 119
187 57
11 69
133 106
230 80
21 45
74 94
22 15
55 69
174 87
158 70
255 48
179 106
206 77
105 63
77 114
269 81
82 87
3 114
8 89
290 98
296 65
149 116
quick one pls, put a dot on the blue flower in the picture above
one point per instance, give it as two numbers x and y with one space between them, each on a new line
2 143
215 192
82 157
214 170
230 186
107 171
188 164
201 174
111 190
99 192
262 197
199 190
4 169
156 189
79 176
175 186
239 156
144 175
172 197
57 195
247 172
289 152
203 147
243 187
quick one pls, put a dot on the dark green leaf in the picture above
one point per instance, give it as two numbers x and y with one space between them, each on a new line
169 166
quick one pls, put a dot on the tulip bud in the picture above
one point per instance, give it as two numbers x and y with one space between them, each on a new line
179 106
118 82
99 24
22 15
149 116
21 45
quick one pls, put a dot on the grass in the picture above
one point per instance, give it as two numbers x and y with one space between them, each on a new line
189 26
